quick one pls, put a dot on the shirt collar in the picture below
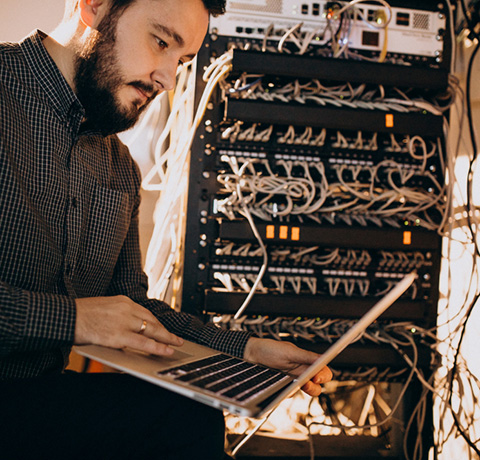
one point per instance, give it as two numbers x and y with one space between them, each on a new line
51 79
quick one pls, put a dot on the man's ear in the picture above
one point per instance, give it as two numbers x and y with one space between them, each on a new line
91 11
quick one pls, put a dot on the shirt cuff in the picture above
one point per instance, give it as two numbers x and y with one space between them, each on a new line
231 342
50 321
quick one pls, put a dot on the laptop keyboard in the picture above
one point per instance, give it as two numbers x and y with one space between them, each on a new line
228 376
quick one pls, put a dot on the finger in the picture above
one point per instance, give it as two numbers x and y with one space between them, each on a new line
148 345
312 389
154 328
300 356
324 376
157 331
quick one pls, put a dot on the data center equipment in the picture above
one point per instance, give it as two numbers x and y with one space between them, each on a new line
318 178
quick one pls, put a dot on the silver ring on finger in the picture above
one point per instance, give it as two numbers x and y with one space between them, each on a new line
143 327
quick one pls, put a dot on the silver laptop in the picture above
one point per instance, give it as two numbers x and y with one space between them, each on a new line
226 382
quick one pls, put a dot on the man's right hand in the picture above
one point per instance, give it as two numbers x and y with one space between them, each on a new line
117 322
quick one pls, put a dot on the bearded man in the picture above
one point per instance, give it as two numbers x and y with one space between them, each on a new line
70 265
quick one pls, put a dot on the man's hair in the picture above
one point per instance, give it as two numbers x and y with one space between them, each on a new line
214 7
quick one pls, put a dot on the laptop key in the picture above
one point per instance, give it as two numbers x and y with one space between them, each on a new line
220 377
231 377
245 386
196 365
260 388
210 370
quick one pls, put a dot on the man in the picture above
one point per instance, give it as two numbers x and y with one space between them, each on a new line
70 270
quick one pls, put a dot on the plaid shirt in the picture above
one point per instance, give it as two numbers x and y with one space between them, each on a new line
68 220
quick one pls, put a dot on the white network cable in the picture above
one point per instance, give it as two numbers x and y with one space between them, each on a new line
339 96
245 211
293 195
339 40
169 174
399 335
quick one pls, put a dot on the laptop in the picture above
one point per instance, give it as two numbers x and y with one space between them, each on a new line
226 382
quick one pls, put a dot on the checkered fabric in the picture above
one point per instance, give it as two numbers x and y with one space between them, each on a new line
69 203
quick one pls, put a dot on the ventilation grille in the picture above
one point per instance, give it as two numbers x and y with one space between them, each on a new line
421 21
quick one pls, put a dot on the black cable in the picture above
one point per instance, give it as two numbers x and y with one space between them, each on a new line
473 141
468 19
452 379
326 404
471 228
474 146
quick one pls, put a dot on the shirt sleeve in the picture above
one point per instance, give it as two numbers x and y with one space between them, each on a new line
130 280
34 321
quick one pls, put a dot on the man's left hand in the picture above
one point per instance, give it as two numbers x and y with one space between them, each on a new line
289 358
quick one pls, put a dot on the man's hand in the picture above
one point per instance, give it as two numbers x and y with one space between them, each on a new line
119 322
287 357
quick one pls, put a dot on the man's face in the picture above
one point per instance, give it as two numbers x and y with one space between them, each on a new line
133 55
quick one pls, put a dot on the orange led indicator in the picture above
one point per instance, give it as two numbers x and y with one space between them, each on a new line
407 237
270 231
389 120
283 232
295 233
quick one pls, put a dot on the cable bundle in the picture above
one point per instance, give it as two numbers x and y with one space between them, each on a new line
383 191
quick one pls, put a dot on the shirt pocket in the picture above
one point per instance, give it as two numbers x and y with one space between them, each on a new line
108 222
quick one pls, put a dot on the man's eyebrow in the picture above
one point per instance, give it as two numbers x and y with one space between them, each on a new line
171 33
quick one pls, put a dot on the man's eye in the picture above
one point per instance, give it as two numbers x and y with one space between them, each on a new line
161 43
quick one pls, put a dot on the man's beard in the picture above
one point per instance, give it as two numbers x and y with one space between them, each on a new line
98 79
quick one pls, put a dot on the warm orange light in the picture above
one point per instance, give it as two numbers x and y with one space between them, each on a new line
283 232
407 237
295 233
270 231
389 120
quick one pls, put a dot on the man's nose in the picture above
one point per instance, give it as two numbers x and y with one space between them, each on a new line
165 75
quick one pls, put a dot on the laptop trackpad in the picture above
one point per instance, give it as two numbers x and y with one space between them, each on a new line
178 357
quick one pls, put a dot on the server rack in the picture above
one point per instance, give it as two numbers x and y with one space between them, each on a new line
330 252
